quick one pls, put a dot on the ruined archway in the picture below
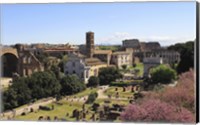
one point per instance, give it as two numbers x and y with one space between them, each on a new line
149 63
9 64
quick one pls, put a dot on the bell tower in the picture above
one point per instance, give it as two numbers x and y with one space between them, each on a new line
90 44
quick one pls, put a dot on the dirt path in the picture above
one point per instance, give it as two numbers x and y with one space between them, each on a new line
101 92
19 111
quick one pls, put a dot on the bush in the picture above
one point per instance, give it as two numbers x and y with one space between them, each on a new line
153 110
125 83
44 108
180 99
95 106
93 81
71 84
162 74
108 75
92 97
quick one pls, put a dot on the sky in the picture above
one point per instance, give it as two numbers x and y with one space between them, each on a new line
165 22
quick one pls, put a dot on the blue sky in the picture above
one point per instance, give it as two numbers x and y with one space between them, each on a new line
166 22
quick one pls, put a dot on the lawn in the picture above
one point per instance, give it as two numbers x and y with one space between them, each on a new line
59 110
66 106
140 67
85 92
111 91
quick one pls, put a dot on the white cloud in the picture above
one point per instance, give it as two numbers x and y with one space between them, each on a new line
167 40
118 37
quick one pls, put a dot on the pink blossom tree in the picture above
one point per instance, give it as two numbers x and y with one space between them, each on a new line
174 104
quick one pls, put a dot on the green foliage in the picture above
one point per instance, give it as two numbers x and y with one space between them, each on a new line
44 84
187 55
62 62
10 99
18 94
113 48
56 70
125 83
162 74
24 90
108 75
93 81
42 57
124 66
71 84
92 97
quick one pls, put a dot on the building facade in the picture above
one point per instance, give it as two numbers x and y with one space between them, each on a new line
83 67
132 43
121 58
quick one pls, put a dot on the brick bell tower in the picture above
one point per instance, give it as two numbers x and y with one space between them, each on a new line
89 44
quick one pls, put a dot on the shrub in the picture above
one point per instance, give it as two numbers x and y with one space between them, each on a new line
156 111
92 97
93 81
95 106
162 74
44 108
71 84
108 75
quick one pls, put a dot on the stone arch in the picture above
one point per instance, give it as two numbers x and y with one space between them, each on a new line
9 64
149 63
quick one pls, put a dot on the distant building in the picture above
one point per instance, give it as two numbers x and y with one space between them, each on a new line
103 55
132 43
150 46
83 67
88 62
28 63
168 56
90 44
121 58
57 52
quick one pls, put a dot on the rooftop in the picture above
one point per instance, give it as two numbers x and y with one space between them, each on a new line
102 52
120 53
93 62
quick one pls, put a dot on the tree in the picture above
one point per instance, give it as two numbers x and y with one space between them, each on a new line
186 51
108 75
10 99
93 81
17 94
62 63
162 74
56 70
184 91
44 84
92 97
124 66
153 110
22 90
71 84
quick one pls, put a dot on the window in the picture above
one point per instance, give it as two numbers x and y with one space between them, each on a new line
73 64
24 59
29 60
74 72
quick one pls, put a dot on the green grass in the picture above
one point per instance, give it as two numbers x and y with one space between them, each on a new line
59 111
113 48
140 67
67 107
111 91
85 92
